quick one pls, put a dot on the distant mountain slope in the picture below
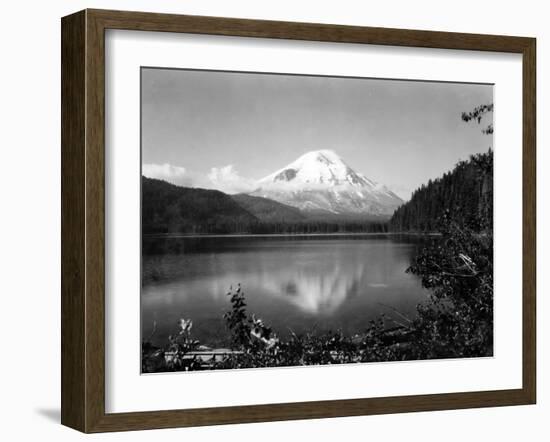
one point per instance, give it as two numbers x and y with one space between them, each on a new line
267 210
167 208
320 182
465 194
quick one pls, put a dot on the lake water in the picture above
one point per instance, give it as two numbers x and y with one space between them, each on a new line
298 283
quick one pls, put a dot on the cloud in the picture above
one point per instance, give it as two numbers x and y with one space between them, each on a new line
227 179
173 174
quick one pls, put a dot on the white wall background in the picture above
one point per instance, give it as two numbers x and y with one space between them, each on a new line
30 216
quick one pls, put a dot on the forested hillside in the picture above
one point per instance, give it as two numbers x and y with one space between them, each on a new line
464 195
267 210
167 208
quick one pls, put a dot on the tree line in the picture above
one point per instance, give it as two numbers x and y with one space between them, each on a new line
306 227
226 227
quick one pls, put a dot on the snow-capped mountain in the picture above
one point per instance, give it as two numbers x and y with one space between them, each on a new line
320 181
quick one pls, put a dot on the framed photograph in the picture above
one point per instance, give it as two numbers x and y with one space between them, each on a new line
269 220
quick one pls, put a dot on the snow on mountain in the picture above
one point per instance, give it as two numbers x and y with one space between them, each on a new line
320 181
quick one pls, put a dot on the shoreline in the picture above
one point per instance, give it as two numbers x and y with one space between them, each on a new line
260 235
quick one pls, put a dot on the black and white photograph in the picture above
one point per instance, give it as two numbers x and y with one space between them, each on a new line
296 220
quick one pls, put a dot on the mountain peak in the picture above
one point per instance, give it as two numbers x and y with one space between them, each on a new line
321 180
316 168
321 155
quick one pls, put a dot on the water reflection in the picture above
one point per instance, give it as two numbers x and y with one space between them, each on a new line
296 285
313 290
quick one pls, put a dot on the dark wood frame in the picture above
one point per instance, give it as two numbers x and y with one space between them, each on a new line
83 217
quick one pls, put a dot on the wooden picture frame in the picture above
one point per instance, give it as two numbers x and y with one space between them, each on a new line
83 220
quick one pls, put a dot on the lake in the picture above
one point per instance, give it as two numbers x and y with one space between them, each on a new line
300 283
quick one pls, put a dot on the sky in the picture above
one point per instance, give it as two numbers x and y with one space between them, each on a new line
225 130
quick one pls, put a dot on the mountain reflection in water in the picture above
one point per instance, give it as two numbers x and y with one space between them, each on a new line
314 290
321 283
